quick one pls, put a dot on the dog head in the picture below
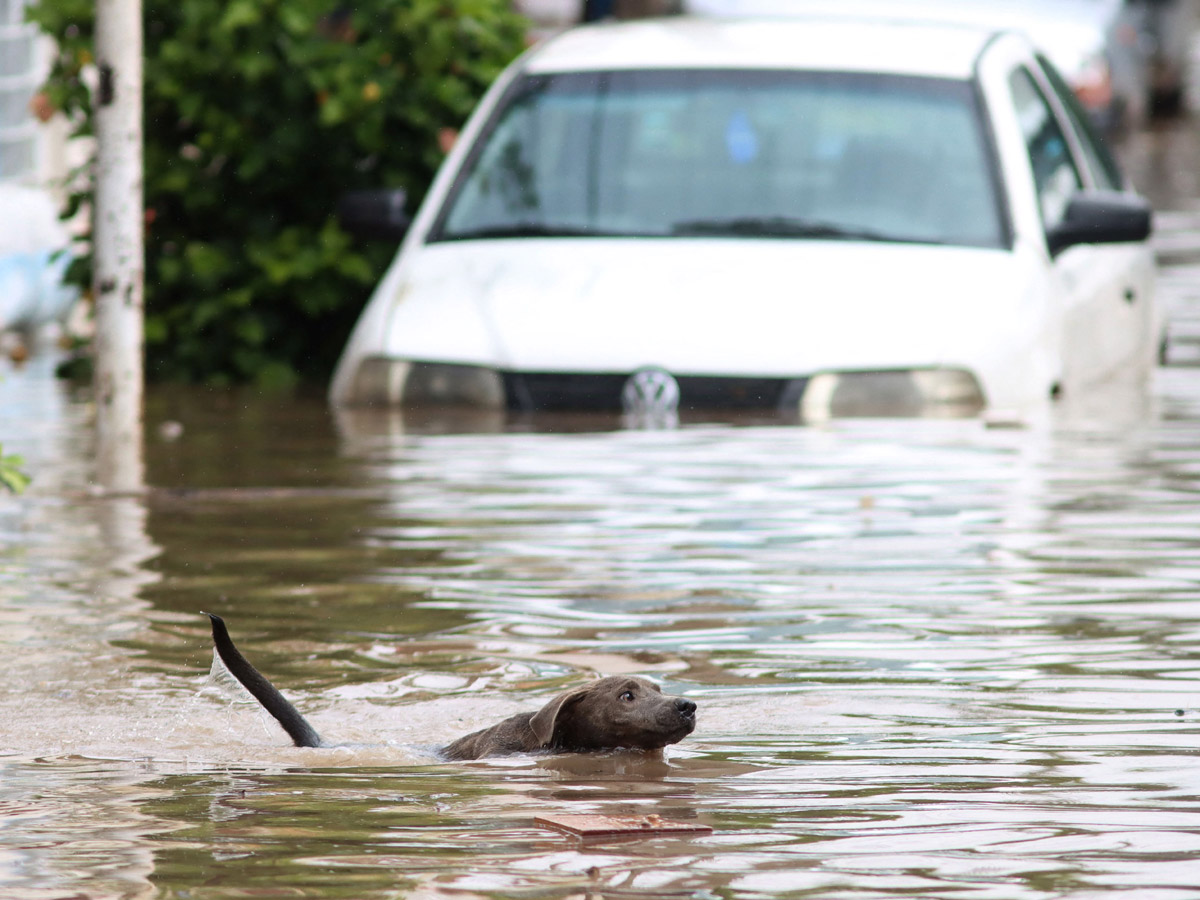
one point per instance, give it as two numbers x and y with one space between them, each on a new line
615 712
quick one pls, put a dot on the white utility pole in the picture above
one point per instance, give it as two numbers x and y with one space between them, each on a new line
118 245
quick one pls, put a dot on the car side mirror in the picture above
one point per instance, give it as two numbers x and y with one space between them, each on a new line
1101 217
374 213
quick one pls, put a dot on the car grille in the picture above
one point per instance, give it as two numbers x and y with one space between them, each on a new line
536 391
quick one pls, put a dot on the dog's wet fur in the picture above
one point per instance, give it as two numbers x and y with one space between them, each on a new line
618 712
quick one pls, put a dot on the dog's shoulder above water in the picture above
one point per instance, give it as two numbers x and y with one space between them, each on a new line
617 712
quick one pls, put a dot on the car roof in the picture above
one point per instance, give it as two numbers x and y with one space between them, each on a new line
900 47
1018 14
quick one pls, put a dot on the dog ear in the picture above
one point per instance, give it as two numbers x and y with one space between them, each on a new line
546 719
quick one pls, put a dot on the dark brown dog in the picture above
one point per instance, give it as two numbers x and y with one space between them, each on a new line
618 712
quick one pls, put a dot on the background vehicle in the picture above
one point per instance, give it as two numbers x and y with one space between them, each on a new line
1165 30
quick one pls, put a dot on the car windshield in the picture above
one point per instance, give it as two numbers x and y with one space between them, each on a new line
788 155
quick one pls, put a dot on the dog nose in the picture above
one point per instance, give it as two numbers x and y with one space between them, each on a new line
686 707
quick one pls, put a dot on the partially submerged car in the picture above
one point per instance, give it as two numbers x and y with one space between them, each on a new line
828 216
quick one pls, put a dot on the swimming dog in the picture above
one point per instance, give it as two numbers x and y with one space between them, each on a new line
617 712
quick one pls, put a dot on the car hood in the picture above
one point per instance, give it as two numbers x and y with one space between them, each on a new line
704 307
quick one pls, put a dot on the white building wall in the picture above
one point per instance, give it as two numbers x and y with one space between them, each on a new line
20 73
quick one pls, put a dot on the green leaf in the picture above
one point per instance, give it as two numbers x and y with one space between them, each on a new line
240 14
11 475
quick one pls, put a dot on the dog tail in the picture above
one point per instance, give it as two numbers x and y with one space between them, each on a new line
301 733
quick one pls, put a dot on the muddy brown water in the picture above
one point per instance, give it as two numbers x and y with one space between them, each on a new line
932 658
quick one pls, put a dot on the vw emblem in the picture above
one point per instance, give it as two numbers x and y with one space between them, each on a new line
650 392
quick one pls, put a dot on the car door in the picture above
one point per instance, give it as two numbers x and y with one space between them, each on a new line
1137 322
1105 290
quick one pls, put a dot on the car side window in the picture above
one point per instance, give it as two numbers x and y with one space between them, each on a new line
1055 175
1105 172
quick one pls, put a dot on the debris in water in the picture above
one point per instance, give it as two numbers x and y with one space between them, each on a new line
619 826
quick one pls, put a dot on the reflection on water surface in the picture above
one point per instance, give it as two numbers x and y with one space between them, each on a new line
931 658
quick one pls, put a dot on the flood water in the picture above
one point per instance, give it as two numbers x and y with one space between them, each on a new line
931 658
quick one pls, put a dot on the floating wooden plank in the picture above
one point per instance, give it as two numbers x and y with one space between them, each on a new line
591 826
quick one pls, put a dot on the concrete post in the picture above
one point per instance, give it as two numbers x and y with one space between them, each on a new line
118 246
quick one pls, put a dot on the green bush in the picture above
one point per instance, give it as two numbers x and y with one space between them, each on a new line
258 114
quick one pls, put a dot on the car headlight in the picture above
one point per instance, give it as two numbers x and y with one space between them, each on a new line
904 392
381 381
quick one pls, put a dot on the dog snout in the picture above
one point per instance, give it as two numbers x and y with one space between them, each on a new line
686 708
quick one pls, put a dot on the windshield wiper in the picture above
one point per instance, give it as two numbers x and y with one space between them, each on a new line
748 226
524 230
781 226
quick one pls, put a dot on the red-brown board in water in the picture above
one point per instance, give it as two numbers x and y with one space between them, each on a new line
619 826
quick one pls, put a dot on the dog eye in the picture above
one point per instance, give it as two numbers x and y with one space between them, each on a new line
627 696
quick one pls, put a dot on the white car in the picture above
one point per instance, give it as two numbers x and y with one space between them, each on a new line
830 217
